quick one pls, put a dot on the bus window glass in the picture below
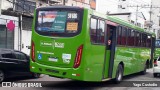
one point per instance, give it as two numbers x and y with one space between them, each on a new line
144 37
58 23
123 38
132 38
148 43
100 31
51 21
137 39
93 30
129 42
97 30
140 40
119 36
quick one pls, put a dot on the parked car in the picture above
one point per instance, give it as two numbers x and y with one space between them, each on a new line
14 63
156 68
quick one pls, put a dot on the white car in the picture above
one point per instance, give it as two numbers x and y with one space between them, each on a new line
156 68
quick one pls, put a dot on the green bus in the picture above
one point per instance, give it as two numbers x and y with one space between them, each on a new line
81 44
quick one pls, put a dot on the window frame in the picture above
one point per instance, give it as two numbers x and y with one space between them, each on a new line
97 19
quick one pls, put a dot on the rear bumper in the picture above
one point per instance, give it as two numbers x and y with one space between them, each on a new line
59 72
156 69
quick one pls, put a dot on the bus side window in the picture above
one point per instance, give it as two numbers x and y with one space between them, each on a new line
137 35
148 43
97 27
144 39
100 30
119 31
93 28
129 37
123 38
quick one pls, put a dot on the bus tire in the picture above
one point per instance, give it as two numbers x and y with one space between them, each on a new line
2 76
36 75
119 74
155 74
145 70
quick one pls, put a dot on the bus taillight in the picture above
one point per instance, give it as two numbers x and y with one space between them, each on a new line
78 57
33 52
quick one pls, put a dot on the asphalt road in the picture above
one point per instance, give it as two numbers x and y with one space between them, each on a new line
130 82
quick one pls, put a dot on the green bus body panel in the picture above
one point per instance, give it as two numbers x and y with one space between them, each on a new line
92 62
133 58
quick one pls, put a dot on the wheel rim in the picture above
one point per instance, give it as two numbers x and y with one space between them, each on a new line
119 76
1 76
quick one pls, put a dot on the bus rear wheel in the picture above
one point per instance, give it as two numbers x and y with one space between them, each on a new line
145 70
155 74
119 74
1 75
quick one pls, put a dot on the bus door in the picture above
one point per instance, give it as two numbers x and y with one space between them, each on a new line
110 49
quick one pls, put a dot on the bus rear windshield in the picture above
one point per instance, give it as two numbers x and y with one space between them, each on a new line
58 22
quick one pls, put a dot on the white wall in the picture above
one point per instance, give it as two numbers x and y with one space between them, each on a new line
6 4
105 6
26 41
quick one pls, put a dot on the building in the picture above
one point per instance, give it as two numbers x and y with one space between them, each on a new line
15 24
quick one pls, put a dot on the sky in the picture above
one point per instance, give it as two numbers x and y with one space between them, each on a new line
105 6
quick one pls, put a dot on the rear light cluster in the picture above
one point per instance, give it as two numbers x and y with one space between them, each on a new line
155 63
33 51
78 57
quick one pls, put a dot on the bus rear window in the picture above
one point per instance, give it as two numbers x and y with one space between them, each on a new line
58 23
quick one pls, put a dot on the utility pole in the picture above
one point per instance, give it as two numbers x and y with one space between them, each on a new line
0 6
150 16
137 9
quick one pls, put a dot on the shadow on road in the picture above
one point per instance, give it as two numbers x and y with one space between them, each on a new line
90 85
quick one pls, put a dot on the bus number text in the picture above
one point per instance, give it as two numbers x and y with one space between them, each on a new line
72 15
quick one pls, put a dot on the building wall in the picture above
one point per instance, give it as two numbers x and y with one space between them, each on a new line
26 41
4 19
6 4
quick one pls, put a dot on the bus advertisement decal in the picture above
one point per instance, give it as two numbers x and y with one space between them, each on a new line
66 58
